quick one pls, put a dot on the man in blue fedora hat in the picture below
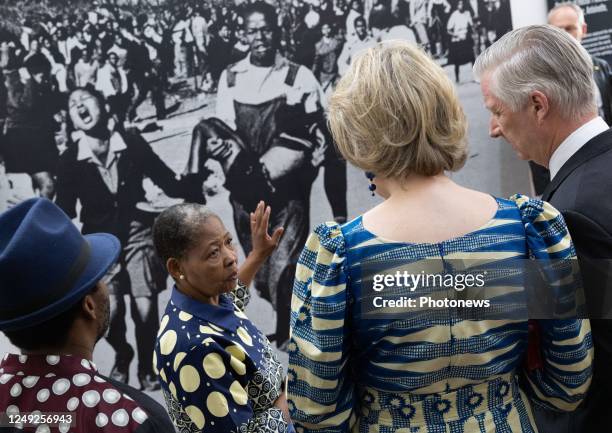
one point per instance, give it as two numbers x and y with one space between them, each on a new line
54 307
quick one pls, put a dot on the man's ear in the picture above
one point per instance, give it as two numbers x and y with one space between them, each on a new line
174 268
88 307
539 105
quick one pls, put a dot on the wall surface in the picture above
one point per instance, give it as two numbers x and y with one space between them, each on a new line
526 12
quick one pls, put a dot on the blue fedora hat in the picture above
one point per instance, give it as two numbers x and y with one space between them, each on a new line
46 264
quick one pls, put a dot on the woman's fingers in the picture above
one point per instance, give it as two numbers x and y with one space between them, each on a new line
265 219
257 217
218 148
260 219
278 232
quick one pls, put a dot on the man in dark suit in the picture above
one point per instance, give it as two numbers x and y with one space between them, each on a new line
570 17
537 82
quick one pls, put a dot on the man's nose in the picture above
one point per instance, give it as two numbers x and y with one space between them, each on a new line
494 128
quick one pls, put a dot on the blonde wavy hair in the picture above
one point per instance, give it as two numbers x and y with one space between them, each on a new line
396 113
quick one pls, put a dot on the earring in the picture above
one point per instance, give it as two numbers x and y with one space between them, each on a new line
181 277
371 177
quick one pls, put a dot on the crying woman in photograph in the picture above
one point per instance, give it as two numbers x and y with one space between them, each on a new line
104 167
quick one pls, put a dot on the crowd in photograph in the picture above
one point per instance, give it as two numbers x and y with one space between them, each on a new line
129 51
58 58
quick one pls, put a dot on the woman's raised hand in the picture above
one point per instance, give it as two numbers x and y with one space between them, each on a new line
263 243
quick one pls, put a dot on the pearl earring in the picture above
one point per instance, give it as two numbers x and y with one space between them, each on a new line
182 277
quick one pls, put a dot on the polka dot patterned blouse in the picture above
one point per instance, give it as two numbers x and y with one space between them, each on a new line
66 384
217 370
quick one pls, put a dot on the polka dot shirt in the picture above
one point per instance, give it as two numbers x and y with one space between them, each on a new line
218 371
52 383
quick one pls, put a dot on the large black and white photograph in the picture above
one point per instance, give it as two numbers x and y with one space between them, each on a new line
117 110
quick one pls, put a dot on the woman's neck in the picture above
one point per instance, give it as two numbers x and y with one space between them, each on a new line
198 295
428 209
414 187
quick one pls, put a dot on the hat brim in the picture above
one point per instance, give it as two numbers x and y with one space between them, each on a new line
105 249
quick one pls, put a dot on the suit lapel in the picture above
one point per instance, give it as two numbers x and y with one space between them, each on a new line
594 147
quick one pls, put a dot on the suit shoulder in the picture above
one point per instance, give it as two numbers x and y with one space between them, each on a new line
601 65
586 190
599 61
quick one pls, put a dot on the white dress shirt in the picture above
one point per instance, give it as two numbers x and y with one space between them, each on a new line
459 24
574 142
108 171
111 81
350 49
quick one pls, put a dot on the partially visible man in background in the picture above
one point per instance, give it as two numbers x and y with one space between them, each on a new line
570 17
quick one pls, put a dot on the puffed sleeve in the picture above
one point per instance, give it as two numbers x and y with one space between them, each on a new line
319 387
210 385
564 375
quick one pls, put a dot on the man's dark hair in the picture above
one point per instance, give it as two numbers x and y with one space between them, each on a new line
381 18
359 19
141 19
37 63
177 228
266 9
359 3
52 333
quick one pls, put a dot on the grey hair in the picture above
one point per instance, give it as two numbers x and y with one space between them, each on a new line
542 58
572 6
176 229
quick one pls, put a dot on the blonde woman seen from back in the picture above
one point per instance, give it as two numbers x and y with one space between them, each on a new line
396 115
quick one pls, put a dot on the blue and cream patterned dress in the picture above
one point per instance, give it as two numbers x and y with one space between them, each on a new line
440 375
218 372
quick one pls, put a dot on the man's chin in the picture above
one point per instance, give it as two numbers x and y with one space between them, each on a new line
262 56
520 154
524 156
